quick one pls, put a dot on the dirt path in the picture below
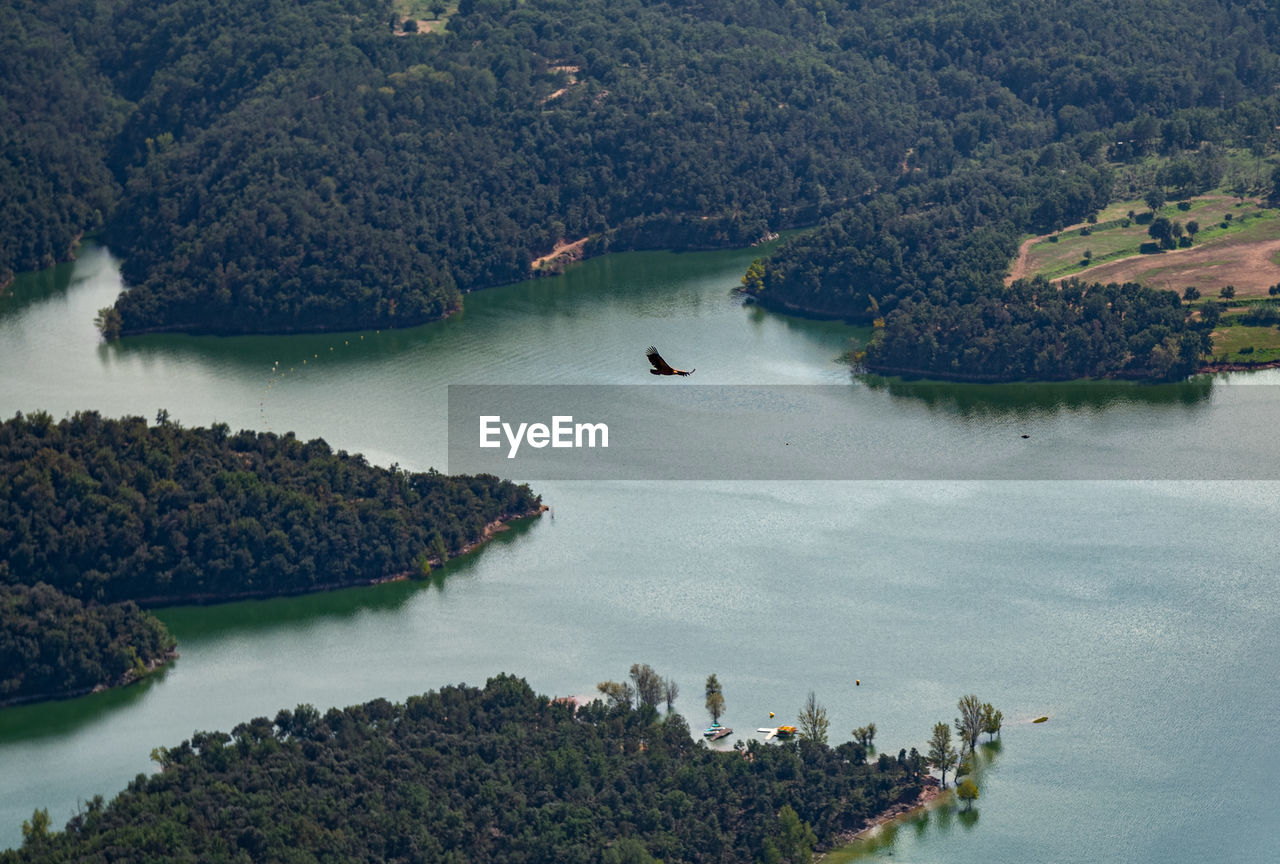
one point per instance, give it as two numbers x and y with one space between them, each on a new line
1018 270
569 251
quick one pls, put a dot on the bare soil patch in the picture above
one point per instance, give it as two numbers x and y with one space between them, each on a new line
564 252
1249 266
1244 256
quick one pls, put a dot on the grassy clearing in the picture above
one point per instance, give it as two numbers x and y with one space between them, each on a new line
1228 342
1111 239
423 12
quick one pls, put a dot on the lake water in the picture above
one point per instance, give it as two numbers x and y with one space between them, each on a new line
1142 616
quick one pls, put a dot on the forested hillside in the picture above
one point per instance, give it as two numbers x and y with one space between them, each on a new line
284 166
495 774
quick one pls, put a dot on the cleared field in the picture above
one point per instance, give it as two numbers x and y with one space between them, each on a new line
1238 244
1265 342
423 12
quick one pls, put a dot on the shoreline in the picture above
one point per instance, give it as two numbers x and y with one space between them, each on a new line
1214 368
930 791
128 678
494 527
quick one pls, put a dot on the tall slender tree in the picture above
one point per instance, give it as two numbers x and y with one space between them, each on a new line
941 754
715 698
813 721
992 720
969 723
670 690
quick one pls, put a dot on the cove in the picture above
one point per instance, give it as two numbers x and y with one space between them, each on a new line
1141 616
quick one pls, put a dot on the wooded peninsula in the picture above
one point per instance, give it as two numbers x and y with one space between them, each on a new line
98 516
482 774
335 171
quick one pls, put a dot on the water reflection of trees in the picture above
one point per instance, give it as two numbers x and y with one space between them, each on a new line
940 817
191 623
30 288
64 717
1036 399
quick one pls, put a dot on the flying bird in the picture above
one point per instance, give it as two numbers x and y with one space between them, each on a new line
662 367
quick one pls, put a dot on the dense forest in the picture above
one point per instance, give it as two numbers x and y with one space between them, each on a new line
52 645
287 166
1040 331
96 512
465 774
108 510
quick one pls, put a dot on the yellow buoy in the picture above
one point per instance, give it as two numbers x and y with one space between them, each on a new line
857 682
770 713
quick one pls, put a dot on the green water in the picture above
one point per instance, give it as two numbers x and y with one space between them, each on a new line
1141 616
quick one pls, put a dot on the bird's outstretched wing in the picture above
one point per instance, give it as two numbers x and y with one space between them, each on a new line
660 366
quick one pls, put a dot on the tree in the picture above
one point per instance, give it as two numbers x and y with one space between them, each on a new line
616 693
628 850
646 683
797 839
1192 293
1193 227
864 735
670 690
992 720
410 26
109 322
813 720
1161 229
1154 199
715 698
941 754
1227 292
969 723
437 9
36 829
967 792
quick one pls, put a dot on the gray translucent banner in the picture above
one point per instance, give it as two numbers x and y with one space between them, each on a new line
680 431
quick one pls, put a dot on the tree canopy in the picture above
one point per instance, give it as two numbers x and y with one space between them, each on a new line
288 166
97 513
495 773
105 510
52 645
